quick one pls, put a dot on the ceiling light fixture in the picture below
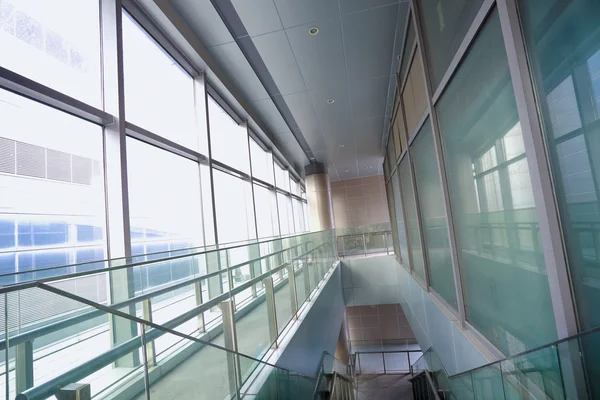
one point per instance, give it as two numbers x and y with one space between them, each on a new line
330 101
347 170
368 166
313 31
341 145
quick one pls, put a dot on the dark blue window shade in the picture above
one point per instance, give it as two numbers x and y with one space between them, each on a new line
7 234
88 256
137 250
40 234
7 266
89 233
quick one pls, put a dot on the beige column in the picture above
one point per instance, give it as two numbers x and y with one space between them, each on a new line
318 192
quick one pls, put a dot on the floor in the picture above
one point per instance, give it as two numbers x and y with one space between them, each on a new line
384 387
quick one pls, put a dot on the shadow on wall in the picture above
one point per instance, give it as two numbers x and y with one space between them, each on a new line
370 281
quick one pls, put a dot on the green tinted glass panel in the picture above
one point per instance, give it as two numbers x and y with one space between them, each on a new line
445 24
435 224
564 46
412 223
505 285
401 226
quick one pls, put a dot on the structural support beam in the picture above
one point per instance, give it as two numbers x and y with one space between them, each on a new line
318 192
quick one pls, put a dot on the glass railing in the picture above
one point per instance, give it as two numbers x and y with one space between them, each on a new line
386 362
85 327
565 369
365 240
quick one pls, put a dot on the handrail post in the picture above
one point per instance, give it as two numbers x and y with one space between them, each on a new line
145 351
6 348
23 366
306 276
364 244
198 293
149 350
271 310
387 250
230 339
292 283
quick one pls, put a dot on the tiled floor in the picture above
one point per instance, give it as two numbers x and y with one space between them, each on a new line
384 387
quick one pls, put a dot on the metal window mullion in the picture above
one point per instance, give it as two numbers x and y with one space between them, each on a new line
201 128
210 164
441 170
276 199
252 184
545 203
462 50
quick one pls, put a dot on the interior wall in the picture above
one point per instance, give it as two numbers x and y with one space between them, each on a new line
378 324
360 201
318 331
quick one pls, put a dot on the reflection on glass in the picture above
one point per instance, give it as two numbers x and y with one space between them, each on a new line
57 46
234 209
412 223
228 140
51 189
564 48
503 270
397 204
444 28
433 213
159 95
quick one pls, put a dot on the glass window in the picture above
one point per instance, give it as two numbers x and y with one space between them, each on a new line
166 213
408 45
444 28
51 185
305 211
262 163
64 39
433 213
564 49
295 186
298 216
234 208
412 223
228 140
207 206
282 178
401 227
505 286
266 212
414 95
159 95
286 219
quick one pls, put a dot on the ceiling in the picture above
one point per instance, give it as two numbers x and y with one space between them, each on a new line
288 75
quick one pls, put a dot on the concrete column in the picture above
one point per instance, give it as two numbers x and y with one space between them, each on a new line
318 192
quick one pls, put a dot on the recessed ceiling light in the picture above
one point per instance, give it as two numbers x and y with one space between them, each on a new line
313 31
368 166
341 145
330 101
347 170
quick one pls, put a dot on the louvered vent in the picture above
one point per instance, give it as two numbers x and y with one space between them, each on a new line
58 165
7 156
82 170
31 160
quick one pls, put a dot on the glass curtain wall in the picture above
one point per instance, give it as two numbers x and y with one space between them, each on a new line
57 192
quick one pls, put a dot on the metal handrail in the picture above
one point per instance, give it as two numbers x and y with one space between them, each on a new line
407 352
130 263
49 388
44 330
430 382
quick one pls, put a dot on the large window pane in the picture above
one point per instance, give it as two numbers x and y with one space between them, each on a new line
414 95
266 212
166 213
286 219
262 163
159 95
234 208
298 216
435 224
51 188
444 28
55 45
505 284
564 46
282 178
412 223
228 140
401 228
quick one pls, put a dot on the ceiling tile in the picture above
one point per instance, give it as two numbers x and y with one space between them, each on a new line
369 97
335 119
277 55
298 12
301 108
258 16
273 119
204 20
232 60
320 58
369 41
352 6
